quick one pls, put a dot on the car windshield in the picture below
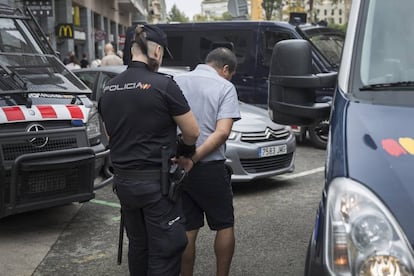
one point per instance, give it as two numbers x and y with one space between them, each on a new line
387 58
330 45
24 67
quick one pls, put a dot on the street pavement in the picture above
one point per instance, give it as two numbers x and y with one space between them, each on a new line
274 219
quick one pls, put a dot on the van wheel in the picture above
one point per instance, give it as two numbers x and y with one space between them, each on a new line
318 134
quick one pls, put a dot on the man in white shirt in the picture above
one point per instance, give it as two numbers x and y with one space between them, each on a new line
207 190
110 57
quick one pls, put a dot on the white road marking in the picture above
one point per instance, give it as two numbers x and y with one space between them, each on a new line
301 174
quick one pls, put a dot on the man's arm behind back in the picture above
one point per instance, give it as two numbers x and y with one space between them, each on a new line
188 126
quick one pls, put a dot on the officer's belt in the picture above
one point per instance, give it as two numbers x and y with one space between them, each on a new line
153 174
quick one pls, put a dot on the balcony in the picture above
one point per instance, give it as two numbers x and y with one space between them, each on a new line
129 5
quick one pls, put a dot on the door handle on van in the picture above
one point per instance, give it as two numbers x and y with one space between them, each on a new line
246 78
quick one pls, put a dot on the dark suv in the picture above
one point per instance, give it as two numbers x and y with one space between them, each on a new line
252 42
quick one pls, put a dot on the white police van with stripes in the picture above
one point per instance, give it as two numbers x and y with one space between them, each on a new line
50 133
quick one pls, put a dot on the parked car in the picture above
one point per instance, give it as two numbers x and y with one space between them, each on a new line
364 222
256 148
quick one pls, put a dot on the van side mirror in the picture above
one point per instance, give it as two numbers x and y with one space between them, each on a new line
292 84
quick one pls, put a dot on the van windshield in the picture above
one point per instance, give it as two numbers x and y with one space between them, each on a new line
16 38
25 67
387 55
330 45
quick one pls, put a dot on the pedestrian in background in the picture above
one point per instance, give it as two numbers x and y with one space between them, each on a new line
207 190
84 63
66 59
73 63
152 105
110 57
120 53
96 62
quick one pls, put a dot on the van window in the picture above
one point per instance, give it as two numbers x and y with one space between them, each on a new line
176 46
270 39
16 38
239 39
388 43
330 46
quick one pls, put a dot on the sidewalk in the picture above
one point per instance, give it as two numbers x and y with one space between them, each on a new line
25 239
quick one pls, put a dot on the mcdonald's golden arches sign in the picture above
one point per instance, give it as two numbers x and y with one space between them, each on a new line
65 30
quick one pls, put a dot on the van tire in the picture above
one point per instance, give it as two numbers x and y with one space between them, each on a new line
318 134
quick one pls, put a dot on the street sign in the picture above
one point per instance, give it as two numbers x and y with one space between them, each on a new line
40 8
237 8
121 39
100 35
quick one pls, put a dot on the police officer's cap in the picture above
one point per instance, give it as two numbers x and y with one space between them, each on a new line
155 34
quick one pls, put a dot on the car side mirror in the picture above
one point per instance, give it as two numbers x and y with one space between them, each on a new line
292 84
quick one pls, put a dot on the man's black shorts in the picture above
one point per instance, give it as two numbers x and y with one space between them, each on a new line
207 190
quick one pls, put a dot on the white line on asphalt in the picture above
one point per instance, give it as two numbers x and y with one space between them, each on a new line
301 174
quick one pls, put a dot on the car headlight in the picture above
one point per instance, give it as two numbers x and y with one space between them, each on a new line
233 135
361 236
93 128
288 128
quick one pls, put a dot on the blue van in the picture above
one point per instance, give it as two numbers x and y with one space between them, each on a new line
364 223
252 42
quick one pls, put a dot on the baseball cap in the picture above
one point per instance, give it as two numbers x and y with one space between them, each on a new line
158 36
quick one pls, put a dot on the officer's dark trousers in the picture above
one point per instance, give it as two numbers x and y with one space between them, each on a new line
154 228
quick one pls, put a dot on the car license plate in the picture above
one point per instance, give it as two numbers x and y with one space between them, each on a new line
272 150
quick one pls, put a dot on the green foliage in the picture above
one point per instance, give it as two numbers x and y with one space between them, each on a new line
339 27
227 16
269 6
175 15
200 18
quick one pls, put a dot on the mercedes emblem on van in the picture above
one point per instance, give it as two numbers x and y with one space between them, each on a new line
37 141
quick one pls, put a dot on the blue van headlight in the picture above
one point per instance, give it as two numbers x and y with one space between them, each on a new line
361 236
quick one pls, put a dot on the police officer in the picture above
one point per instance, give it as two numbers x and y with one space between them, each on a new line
141 110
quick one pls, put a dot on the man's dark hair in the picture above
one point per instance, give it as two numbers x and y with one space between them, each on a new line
222 56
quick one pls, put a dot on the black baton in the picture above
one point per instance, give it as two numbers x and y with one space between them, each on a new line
165 183
120 239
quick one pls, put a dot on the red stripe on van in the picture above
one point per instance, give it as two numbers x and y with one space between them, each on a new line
75 111
47 111
14 113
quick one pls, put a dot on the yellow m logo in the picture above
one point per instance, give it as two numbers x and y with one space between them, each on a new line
64 30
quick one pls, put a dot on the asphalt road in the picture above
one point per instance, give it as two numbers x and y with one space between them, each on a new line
274 219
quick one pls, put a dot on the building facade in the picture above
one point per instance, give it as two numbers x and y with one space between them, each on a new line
332 13
85 26
326 10
215 8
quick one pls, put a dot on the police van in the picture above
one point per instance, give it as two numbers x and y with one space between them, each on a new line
50 147
364 223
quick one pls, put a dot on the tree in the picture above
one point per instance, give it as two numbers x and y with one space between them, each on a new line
269 6
175 15
200 18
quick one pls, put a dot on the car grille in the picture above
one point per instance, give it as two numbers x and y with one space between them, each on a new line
14 149
266 164
36 182
46 183
267 135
